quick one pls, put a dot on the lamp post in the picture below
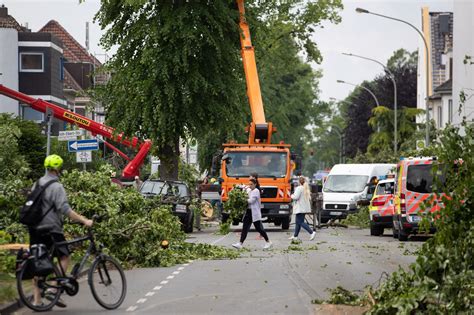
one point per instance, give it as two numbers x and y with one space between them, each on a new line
392 77
357 85
427 138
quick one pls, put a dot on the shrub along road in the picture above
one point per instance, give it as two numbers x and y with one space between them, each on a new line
283 280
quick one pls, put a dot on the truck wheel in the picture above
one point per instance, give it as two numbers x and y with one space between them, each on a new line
225 217
285 223
402 235
188 225
375 230
277 222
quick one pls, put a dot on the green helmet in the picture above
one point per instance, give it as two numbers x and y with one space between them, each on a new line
53 161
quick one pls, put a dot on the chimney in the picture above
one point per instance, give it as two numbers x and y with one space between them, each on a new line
3 11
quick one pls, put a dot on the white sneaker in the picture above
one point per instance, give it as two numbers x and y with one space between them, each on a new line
292 238
237 245
313 235
268 245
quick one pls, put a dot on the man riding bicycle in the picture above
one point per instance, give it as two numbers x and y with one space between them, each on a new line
54 198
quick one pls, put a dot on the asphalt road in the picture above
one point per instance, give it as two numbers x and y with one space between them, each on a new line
282 280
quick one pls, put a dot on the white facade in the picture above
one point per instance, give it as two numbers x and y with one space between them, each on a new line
9 68
463 74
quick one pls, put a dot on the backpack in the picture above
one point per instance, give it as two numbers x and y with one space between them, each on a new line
31 213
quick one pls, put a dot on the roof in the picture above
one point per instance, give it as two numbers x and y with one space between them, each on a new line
8 21
73 51
361 169
69 82
446 87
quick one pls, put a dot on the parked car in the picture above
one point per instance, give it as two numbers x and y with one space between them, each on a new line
381 206
175 193
347 185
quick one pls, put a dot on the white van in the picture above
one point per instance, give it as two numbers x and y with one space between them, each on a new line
345 185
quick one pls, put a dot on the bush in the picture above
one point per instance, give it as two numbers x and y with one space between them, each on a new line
360 219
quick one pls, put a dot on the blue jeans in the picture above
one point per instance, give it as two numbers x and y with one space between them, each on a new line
301 224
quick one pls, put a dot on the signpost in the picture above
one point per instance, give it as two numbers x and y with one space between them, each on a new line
70 135
83 145
84 156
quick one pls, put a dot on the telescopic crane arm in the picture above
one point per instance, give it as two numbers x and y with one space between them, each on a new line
133 167
260 131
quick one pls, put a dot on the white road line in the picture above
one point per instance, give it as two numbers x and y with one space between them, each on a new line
151 293
220 239
141 301
132 308
176 272
170 277
164 282
180 268
157 288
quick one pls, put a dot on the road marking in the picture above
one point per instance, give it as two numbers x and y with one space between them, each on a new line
164 282
170 277
132 308
141 301
176 272
151 293
157 288
180 268
220 239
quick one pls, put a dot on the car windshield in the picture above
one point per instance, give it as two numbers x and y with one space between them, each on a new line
420 178
154 188
345 183
265 164
182 190
385 188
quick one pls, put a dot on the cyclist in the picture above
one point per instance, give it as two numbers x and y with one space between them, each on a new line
54 198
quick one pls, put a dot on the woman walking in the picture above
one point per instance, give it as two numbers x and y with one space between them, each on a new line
253 214
301 206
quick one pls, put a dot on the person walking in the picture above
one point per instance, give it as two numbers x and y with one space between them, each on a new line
301 206
54 207
253 214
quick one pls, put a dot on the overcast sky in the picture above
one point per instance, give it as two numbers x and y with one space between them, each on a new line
360 34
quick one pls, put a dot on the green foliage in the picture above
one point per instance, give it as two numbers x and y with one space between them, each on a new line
133 227
236 206
7 261
360 219
188 174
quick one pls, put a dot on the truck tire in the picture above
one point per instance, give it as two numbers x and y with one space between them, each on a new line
285 223
375 230
188 227
277 222
402 235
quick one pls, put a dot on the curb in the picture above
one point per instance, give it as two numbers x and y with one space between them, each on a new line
10 308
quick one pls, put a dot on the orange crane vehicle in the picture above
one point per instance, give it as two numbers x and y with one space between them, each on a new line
131 169
272 162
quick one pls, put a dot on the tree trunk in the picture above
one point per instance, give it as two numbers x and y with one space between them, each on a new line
169 158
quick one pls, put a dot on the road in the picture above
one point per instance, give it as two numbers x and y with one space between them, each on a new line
261 282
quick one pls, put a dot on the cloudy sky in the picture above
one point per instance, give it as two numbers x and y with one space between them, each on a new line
360 34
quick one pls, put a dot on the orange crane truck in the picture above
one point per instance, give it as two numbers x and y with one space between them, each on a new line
273 163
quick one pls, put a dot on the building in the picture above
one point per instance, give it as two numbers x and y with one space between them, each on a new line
437 28
463 62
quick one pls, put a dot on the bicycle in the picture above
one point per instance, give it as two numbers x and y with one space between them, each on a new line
105 277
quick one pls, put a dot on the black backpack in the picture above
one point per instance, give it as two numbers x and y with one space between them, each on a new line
31 213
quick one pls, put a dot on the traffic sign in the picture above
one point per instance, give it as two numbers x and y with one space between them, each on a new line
83 145
84 156
70 135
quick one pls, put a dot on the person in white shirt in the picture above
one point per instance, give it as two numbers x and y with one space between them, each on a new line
302 205
253 214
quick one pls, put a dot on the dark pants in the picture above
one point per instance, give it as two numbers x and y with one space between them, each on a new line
301 224
246 227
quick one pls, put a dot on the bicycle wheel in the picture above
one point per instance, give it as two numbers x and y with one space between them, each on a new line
107 282
47 293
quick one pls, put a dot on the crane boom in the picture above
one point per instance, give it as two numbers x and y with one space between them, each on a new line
94 127
260 131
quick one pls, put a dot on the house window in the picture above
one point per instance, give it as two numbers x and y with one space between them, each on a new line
450 111
440 117
29 113
31 62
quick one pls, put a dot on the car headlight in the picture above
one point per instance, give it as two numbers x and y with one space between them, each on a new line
180 208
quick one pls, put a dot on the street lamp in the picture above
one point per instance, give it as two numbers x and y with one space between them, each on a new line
394 96
427 139
341 142
357 85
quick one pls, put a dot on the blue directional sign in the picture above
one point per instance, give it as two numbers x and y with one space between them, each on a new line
83 145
